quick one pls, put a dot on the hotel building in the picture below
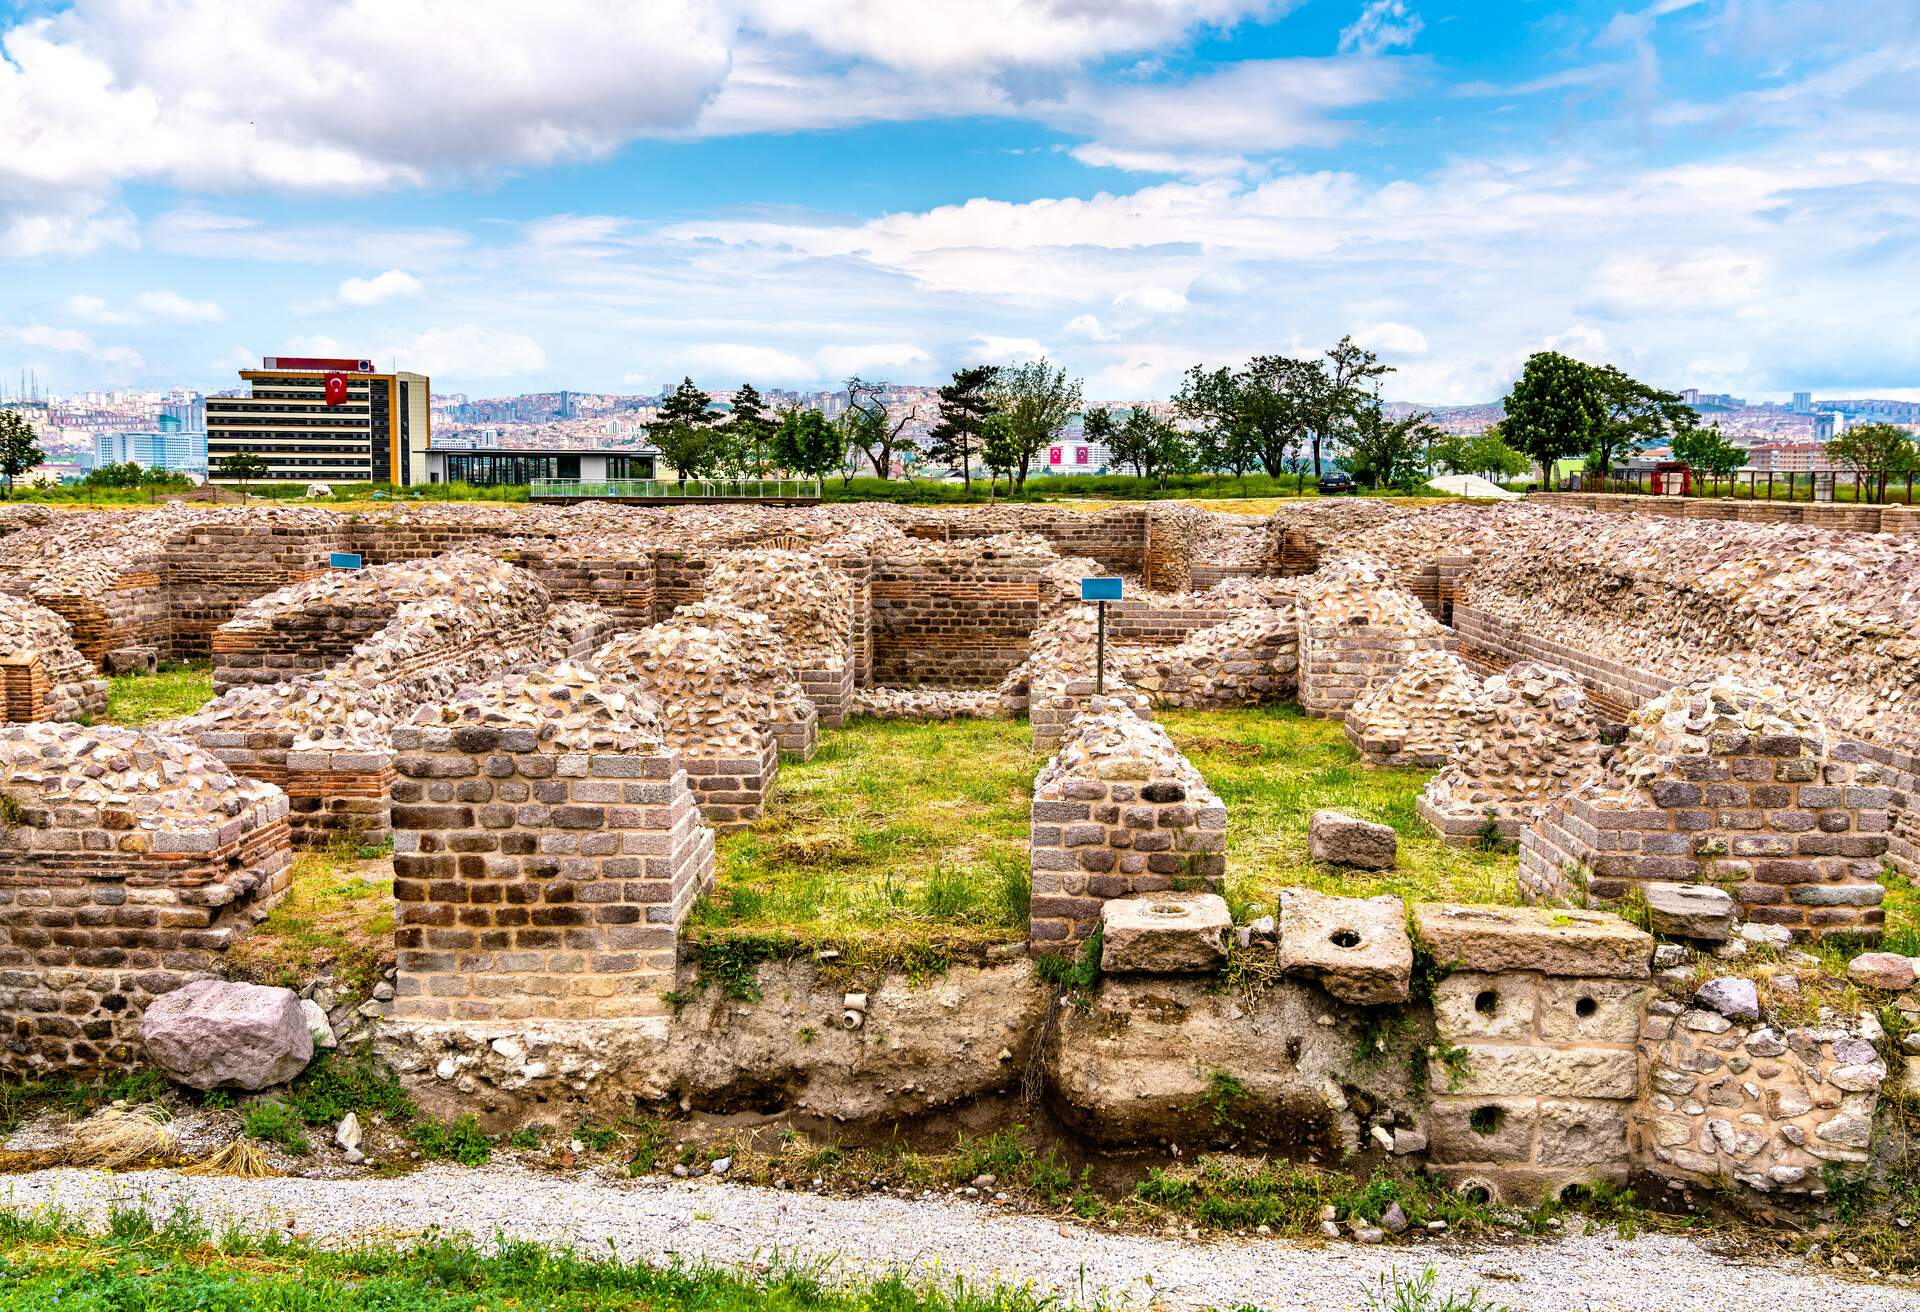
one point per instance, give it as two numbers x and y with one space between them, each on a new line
321 420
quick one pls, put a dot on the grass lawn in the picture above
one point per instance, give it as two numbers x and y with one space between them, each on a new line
183 1264
180 688
902 833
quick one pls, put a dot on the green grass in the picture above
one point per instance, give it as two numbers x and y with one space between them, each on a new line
337 916
895 833
180 1264
1274 767
901 833
180 688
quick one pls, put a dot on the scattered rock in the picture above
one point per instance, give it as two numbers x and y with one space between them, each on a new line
1343 840
1695 911
1731 996
1394 1219
347 1134
1887 971
317 1023
214 1034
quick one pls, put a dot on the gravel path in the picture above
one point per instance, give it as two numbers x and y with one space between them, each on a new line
739 1225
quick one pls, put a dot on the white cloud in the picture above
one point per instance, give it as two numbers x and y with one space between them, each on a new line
176 308
71 341
737 360
1391 340
95 309
1714 278
1088 328
381 287
1149 302
1190 164
1382 25
467 351
991 349
839 361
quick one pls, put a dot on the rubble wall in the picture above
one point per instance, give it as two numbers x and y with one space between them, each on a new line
129 863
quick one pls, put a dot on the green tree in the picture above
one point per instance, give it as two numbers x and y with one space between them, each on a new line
1098 428
1213 403
682 433
1489 454
1337 407
1634 415
748 433
871 427
1554 410
19 450
1151 445
1875 452
1704 449
965 404
241 467
1277 400
1037 400
1388 451
1000 449
806 444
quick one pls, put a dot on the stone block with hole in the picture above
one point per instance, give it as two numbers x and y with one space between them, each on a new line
1357 948
1537 1020
1167 933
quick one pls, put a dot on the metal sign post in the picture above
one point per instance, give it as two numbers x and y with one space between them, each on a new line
1100 591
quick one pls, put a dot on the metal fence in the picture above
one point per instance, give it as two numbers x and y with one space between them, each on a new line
692 489
1757 485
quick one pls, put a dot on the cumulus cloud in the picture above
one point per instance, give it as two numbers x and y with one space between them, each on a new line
1088 328
381 287
1149 302
175 308
1391 340
124 360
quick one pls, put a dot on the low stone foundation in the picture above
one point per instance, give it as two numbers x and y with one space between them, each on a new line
1119 811
546 850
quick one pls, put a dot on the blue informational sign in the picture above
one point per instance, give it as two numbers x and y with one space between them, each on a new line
1100 589
344 560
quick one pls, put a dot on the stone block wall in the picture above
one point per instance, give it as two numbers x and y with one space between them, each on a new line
1419 717
1118 811
546 850
1742 1100
215 567
1536 1067
1357 629
43 675
132 862
1252 659
1721 782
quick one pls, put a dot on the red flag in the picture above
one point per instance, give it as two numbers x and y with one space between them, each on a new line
336 389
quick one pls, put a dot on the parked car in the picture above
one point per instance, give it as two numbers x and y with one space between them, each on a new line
1335 482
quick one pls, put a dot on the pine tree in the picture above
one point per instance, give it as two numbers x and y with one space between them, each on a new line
965 404
682 431
749 430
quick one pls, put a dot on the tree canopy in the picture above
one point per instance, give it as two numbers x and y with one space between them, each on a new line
964 405
806 444
1555 409
1876 451
19 448
1037 399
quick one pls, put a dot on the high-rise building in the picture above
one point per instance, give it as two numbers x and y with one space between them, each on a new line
325 420
170 446
1803 403
1823 426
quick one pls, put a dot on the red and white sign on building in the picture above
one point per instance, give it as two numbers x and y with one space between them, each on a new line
1053 455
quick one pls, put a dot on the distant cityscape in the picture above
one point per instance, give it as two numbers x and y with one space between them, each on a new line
168 429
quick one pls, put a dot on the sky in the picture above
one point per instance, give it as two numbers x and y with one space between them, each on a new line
602 195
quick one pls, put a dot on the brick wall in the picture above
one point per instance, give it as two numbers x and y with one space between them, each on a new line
535 883
1340 660
952 617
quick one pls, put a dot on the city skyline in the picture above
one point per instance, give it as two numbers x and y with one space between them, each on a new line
1710 193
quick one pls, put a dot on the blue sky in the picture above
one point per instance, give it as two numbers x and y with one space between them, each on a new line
1712 193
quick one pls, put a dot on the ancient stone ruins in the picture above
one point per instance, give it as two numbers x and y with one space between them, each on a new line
1709 717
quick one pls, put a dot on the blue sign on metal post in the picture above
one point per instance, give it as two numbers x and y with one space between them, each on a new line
1100 589
344 560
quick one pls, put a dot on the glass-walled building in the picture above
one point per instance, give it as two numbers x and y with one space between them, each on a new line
518 467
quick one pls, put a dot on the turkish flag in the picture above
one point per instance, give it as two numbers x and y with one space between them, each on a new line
336 389
1053 455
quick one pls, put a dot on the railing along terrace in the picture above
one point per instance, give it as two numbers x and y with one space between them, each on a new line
1756 485
692 489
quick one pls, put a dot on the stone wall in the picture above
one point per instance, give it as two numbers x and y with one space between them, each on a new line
1118 811
1357 629
129 862
546 850
810 606
1533 739
1536 1067
1741 1100
1723 783
719 723
955 614
43 676
1420 717
1252 659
